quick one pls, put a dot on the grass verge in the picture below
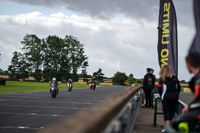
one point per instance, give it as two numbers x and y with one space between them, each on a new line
20 87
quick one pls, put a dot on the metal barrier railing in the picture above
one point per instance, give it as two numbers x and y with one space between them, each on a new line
124 122
114 115
179 107
157 100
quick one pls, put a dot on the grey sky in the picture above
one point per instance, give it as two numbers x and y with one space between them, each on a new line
105 9
118 35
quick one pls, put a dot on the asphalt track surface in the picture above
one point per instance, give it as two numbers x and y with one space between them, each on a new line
186 97
29 112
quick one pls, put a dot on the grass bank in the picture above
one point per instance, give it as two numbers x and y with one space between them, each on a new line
20 87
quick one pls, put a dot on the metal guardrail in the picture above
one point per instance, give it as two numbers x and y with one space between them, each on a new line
124 122
116 114
179 107
157 100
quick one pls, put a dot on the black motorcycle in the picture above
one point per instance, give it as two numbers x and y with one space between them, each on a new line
69 86
93 86
53 90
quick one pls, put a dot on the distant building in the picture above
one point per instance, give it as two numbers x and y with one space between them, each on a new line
105 80
7 77
81 80
4 76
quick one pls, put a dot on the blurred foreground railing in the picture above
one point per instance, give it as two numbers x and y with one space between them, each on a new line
179 107
116 114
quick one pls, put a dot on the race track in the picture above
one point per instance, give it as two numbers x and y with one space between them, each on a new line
29 112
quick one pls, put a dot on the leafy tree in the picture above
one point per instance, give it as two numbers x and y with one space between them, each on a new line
63 57
14 67
84 71
2 71
52 57
183 81
120 78
49 57
130 79
157 79
18 68
98 75
139 81
76 55
33 51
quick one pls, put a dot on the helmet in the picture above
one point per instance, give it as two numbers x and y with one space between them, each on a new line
184 127
54 79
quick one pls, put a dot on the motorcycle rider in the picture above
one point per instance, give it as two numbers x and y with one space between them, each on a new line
56 83
191 113
91 83
190 116
69 82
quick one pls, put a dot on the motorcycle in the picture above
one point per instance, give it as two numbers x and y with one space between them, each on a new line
69 86
92 86
53 90
184 127
179 126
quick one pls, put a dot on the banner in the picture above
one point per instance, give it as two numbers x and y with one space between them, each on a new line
167 36
195 47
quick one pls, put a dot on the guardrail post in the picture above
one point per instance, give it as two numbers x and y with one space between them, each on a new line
157 99
155 112
116 126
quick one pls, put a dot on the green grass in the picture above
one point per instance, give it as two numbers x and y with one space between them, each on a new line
20 87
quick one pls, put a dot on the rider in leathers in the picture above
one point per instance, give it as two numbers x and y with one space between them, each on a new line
191 112
91 82
69 82
56 83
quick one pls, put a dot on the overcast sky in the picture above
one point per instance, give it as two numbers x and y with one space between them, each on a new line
119 35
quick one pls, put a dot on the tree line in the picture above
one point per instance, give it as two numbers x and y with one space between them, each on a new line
56 57
49 57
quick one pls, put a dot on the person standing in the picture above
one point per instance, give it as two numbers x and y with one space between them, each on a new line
148 87
154 79
169 89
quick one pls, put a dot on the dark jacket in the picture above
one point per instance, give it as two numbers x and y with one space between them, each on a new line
169 89
194 85
148 82
56 83
69 82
